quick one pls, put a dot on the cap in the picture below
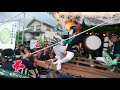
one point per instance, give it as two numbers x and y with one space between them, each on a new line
7 53
115 35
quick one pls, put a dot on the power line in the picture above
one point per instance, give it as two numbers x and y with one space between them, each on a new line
33 16
37 18
10 19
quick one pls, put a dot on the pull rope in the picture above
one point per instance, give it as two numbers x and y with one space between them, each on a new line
68 38
78 34
105 23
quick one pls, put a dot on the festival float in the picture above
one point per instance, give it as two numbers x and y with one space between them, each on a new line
94 24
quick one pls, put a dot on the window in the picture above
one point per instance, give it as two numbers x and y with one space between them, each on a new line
38 27
48 29
31 27
37 34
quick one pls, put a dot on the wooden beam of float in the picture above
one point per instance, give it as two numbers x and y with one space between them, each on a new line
84 71
79 60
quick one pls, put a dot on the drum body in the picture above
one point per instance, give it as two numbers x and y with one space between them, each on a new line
92 43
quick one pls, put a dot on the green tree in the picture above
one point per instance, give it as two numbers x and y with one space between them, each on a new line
42 41
19 38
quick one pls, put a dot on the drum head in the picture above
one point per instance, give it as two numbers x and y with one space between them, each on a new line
92 42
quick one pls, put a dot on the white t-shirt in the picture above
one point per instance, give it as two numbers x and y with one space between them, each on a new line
71 32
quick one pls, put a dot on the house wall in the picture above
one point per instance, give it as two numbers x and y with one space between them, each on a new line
28 36
41 36
35 23
49 34
45 28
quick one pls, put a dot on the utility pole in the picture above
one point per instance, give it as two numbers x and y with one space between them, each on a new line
18 33
23 29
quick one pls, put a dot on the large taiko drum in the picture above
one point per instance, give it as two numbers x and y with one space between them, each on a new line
92 42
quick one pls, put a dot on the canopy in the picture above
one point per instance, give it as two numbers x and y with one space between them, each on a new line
89 18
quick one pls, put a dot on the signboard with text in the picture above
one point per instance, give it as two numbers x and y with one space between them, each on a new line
8 35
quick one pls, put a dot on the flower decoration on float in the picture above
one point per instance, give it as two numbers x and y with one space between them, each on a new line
69 23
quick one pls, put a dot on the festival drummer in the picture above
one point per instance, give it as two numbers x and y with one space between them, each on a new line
76 29
114 53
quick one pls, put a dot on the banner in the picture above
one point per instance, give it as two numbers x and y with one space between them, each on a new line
107 58
11 74
8 35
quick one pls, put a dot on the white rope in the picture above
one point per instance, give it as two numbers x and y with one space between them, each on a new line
75 35
10 19
68 38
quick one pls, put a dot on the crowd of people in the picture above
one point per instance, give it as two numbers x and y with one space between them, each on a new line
22 61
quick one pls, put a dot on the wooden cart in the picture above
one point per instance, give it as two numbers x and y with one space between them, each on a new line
83 67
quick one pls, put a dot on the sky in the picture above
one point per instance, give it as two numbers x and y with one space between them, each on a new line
42 16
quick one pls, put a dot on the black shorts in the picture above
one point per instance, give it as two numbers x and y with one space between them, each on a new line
69 48
76 41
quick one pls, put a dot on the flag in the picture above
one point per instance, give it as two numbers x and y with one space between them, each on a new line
56 28
8 35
